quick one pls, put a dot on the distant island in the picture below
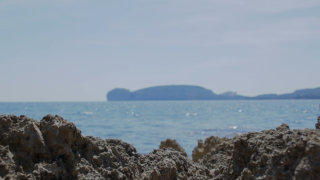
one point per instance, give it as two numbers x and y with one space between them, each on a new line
188 92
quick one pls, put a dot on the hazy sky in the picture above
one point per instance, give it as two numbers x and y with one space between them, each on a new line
77 50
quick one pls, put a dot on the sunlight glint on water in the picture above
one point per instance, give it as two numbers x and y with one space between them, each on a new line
144 124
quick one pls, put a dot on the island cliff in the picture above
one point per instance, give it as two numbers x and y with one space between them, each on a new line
173 92
187 92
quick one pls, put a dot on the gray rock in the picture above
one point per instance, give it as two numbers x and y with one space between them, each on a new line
318 123
55 149
269 154
173 144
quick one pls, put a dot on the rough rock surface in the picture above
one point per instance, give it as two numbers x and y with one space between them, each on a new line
271 154
318 123
55 149
173 144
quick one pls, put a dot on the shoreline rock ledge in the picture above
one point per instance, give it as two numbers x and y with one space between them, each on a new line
55 149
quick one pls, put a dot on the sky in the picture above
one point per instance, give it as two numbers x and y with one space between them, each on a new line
78 50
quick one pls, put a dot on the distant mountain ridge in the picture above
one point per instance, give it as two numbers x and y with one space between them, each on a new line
298 94
189 92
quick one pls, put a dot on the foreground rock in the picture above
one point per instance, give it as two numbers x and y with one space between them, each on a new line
271 154
172 144
55 149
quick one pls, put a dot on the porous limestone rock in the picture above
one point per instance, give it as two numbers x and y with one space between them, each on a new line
55 149
318 123
170 164
271 154
173 144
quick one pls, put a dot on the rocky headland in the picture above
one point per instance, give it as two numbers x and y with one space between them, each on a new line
55 149
189 92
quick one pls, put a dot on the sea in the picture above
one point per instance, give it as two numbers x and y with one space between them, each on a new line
144 124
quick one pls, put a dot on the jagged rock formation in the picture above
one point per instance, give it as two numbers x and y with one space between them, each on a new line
55 149
318 123
271 154
173 144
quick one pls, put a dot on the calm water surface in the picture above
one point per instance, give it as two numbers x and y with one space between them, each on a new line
144 124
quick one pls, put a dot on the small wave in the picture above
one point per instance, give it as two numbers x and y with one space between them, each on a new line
87 112
233 127
191 114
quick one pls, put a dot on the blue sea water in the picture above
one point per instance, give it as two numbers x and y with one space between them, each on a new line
145 123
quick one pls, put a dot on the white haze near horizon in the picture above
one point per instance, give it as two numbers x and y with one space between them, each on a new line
77 50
